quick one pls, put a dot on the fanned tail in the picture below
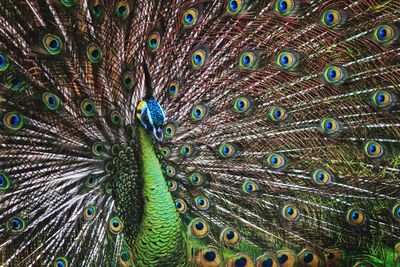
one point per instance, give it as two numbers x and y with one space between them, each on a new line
284 130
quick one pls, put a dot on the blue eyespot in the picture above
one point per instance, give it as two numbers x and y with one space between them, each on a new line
283 5
355 217
373 149
332 73
199 225
246 60
382 33
54 45
210 255
234 5
61 262
308 257
2 60
329 18
14 120
199 228
189 18
16 224
230 234
291 213
332 18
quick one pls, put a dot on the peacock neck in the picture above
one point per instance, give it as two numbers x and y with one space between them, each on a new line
160 241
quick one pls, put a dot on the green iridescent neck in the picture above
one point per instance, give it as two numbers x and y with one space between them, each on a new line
160 241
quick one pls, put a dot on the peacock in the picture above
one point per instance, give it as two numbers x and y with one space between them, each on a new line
231 133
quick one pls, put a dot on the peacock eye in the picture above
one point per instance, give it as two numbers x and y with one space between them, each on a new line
89 212
202 203
165 152
363 264
68 3
122 9
384 34
208 257
198 112
226 150
291 213
373 149
230 236
382 99
284 7
91 181
198 59
190 17
51 101
332 18
127 80
335 75
116 118
286 257
333 256
329 126
241 104
180 205
125 256
196 179
308 257
267 260
172 185
396 212
88 108
249 187
16 224
276 161
4 182
153 41
115 225
234 7
13 121
15 83
169 130
170 171
248 60
97 10
61 262
355 217
278 114
98 149
93 53
52 43
4 62
173 88
198 228
287 60
241 260
322 177
187 150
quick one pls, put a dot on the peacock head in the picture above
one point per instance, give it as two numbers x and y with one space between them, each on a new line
152 117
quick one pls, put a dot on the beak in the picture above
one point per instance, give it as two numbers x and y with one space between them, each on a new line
158 134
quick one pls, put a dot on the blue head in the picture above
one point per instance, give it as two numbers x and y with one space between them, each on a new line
152 117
